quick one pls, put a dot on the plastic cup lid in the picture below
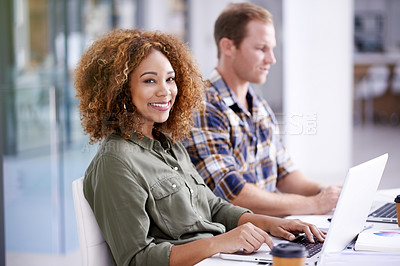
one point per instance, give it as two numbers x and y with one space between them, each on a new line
289 250
397 199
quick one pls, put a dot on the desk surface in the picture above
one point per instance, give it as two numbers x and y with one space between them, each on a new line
354 258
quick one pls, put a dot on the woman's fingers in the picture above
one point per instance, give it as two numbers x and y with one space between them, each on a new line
290 228
254 237
267 238
247 237
311 230
320 234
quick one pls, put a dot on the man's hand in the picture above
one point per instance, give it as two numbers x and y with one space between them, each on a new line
327 199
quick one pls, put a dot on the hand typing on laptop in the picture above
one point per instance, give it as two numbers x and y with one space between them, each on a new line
326 198
252 230
351 211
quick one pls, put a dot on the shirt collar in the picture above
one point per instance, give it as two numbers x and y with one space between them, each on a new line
150 144
226 93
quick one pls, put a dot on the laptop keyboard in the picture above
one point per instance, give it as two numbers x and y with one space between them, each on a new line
387 210
312 248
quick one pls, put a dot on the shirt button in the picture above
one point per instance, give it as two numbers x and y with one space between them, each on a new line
174 185
176 168
200 217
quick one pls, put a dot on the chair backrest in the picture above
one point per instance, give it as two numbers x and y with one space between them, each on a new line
94 250
396 80
374 83
378 80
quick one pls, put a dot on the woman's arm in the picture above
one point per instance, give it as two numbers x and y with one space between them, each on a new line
249 236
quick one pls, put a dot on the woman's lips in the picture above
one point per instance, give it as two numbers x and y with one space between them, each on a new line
161 106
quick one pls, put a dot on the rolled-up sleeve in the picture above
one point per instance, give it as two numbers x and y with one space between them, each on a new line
224 212
212 152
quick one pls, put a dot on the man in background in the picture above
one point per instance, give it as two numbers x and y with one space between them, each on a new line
235 142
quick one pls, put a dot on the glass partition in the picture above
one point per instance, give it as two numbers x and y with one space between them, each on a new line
47 148
43 146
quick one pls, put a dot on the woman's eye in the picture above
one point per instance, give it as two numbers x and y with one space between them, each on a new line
149 81
171 79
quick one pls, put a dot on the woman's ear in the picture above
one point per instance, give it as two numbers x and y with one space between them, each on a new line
227 46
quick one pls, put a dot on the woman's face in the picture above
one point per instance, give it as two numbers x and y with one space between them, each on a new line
153 89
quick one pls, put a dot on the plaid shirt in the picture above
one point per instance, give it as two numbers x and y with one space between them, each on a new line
231 146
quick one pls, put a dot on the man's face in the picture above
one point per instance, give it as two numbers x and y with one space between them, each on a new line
253 58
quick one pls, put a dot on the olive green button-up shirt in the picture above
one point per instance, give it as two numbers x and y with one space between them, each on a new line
147 196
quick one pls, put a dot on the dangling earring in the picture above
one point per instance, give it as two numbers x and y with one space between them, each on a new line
124 107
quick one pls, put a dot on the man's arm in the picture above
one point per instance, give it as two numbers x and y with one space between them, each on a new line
310 201
297 183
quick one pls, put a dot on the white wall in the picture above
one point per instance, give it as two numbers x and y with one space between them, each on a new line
272 90
203 15
317 69
156 13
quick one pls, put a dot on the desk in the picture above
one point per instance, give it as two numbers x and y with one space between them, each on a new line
334 259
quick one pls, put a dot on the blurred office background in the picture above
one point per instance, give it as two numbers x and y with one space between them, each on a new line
335 90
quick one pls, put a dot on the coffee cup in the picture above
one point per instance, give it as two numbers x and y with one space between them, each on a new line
397 200
288 254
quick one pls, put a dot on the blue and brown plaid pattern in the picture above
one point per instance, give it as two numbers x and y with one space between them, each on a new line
231 146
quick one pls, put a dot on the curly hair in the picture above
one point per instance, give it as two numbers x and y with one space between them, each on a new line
102 84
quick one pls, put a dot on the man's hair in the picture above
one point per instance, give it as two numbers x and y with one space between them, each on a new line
232 22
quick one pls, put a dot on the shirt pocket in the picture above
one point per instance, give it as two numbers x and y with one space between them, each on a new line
176 216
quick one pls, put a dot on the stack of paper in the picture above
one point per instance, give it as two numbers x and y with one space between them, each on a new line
379 240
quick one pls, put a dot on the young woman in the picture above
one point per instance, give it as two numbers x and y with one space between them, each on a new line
137 92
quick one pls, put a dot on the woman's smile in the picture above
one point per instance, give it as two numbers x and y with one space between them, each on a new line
161 106
153 89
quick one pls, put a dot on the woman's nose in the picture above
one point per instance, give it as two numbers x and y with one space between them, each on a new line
163 89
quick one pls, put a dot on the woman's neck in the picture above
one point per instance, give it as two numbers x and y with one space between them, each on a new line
148 131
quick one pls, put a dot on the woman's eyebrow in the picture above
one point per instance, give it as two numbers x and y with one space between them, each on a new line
149 73
155 73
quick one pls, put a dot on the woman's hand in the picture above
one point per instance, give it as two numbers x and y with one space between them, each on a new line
246 237
284 228
289 228
250 234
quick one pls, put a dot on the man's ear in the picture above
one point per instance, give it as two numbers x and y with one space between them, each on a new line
227 46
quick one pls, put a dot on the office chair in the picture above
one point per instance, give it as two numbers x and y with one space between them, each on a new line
373 85
395 116
94 249
396 80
